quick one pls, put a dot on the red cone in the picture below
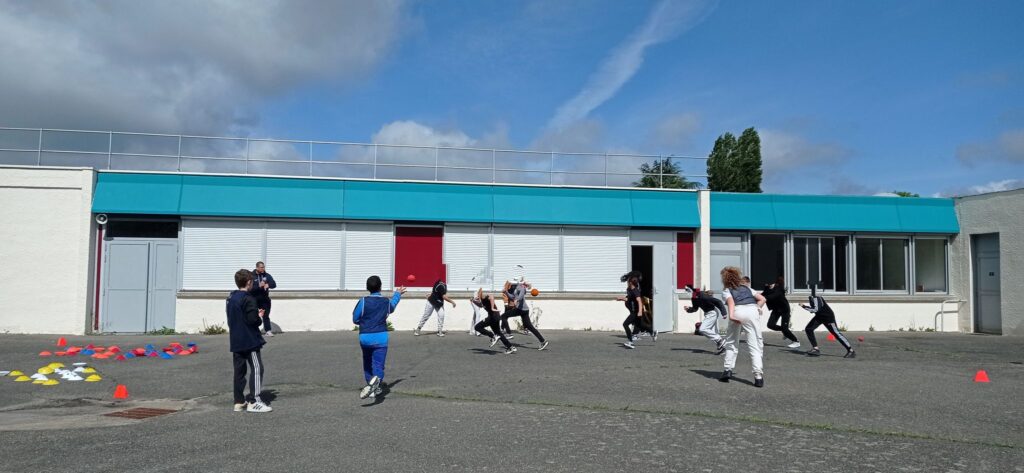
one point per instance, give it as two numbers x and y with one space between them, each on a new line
61 342
831 337
981 377
120 392
45 353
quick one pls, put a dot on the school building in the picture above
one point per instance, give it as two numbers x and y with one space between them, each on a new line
90 246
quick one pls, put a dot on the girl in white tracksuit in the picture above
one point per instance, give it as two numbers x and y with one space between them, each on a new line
744 315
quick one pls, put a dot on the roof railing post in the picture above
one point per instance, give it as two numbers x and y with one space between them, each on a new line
310 159
494 166
110 146
375 160
551 169
179 153
39 154
436 162
247 155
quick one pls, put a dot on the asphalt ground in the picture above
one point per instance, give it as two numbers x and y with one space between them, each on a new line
908 402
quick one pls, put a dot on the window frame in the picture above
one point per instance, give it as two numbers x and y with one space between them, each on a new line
791 268
907 269
913 262
787 252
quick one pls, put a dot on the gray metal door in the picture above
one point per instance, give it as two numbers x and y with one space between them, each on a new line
663 274
139 284
987 311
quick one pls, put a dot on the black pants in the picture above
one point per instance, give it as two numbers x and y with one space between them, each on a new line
527 323
632 320
492 321
784 328
253 362
830 325
264 303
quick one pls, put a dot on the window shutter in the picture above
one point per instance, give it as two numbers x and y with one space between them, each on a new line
536 248
212 251
368 252
467 256
305 256
594 258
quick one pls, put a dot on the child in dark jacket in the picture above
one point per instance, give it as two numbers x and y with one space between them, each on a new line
244 321
371 315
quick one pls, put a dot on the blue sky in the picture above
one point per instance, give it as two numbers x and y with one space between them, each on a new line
850 97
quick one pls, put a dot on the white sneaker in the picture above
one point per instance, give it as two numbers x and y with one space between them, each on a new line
416 332
269 333
494 341
240 407
440 334
369 388
793 345
629 345
258 407
543 345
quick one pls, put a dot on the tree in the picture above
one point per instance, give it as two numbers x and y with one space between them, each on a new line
719 161
734 165
905 194
664 173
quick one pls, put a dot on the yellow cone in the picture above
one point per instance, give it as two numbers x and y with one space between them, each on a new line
50 382
56 365
22 379
93 378
40 381
15 374
89 370
45 370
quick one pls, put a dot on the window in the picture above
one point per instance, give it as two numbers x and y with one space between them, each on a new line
467 252
882 264
141 229
930 265
530 251
820 260
767 258
726 250
305 256
593 258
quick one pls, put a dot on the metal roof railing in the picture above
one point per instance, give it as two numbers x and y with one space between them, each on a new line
114 150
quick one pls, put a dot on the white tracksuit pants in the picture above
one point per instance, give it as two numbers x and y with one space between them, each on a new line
478 314
749 322
709 326
429 309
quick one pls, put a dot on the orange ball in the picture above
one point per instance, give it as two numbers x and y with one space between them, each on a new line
534 292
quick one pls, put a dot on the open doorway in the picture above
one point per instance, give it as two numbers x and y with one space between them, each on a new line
642 258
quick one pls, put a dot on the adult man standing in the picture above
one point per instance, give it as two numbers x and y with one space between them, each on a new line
262 283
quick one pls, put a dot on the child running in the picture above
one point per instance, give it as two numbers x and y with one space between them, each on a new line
635 306
744 314
713 308
479 312
435 303
775 295
823 315
492 320
371 315
244 321
520 309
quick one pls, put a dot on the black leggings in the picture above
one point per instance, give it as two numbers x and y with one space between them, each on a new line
527 323
830 325
634 320
784 328
492 322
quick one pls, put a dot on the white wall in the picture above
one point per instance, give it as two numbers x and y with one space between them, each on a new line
45 247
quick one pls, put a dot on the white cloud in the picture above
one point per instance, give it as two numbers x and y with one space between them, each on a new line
192 66
676 130
667 20
993 186
783 151
580 136
412 133
1008 146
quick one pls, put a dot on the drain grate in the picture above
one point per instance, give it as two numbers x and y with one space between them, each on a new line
140 413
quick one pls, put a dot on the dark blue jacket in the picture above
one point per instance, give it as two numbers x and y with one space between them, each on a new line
371 312
257 291
244 322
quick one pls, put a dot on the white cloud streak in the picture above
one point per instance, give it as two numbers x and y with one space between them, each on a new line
667 20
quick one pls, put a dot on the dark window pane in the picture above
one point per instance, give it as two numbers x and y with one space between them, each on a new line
930 265
841 244
813 261
800 263
869 271
767 258
141 229
894 265
827 276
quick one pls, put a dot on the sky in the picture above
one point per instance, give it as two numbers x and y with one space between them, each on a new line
849 97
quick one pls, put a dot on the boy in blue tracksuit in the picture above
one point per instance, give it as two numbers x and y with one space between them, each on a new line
244 320
371 315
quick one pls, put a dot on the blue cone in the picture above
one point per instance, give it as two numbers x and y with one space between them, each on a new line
166 356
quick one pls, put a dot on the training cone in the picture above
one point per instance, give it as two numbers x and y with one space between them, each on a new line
120 358
22 379
120 392
981 377
15 373
93 378
50 382
831 337
45 353
62 342
860 339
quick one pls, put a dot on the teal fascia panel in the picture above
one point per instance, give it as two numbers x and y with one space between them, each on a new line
157 194
261 197
418 202
664 209
921 215
837 213
742 212
553 205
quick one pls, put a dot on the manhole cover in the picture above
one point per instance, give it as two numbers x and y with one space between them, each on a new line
140 413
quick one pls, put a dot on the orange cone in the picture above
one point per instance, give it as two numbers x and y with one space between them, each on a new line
981 377
61 342
45 353
120 392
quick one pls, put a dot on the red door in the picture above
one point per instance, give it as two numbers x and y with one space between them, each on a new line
684 259
418 252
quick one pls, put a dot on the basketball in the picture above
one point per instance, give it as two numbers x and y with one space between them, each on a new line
411 278
534 292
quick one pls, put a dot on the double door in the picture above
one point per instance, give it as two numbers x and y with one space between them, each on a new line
139 284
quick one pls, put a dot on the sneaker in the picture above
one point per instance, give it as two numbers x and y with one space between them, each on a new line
758 382
793 345
850 354
509 336
269 333
369 388
494 341
258 406
654 337
510 350
240 407
416 332
720 347
726 376
440 334
814 352
376 392
629 345
543 345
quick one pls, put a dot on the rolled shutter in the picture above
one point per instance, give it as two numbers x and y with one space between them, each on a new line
535 248
212 251
305 256
368 252
594 258
467 256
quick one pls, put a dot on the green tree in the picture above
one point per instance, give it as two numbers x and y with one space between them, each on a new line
905 194
748 162
664 173
719 162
